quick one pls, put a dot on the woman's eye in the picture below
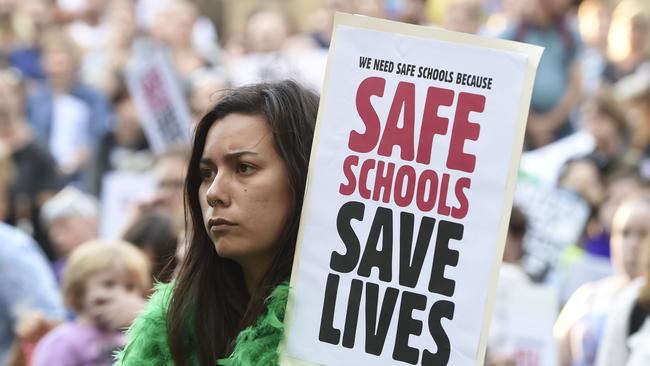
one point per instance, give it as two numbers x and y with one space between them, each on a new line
109 284
245 169
206 174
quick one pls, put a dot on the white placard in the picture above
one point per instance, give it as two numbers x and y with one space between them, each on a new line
417 144
556 219
159 99
121 193
531 315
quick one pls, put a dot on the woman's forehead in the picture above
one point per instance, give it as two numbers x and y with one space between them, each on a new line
237 132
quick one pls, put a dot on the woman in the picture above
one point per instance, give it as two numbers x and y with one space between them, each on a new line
580 326
627 331
244 193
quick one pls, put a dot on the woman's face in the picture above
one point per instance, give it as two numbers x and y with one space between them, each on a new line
631 226
244 194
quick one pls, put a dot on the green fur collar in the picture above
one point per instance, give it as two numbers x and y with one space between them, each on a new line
258 344
255 345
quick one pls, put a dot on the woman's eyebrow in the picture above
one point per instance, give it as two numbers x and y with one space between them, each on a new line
229 157
234 155
206 161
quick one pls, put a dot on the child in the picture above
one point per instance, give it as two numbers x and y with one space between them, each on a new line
105 283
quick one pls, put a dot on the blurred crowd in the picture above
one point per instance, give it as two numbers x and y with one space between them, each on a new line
92 200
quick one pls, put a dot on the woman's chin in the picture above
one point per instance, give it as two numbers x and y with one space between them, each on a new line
224 250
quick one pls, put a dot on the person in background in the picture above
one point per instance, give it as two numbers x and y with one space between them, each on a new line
594 17
370 8
628 41
619 189
22 23
71 217
173 25
591 261
156 234
501 347
66 115
90 29
206 86
463 16
106 284
557 83
579 327
414 12
603 119
103 67
627 331
15 27
500 15
634 91
267 30
125 148
170 171
321 22
27 291
35 177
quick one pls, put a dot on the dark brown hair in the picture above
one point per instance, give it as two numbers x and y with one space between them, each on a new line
155 233
210 303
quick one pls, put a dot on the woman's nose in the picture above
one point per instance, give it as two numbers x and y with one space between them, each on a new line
217 193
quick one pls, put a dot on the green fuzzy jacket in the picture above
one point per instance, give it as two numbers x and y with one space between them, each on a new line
255 345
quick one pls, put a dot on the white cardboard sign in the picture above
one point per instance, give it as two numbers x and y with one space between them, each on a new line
411 180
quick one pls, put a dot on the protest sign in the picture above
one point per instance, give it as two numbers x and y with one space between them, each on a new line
531 315
556 219
411 180
122 191
158 98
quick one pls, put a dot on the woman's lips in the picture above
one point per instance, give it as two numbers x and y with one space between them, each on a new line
216 225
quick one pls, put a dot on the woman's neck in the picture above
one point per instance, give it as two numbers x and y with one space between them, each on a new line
254 271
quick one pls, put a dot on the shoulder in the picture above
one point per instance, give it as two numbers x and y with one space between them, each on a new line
58 345
147 341
19 254
15 240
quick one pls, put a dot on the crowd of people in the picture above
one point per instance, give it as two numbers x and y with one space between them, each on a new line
81 245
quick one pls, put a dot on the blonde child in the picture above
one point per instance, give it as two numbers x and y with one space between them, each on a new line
105 283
